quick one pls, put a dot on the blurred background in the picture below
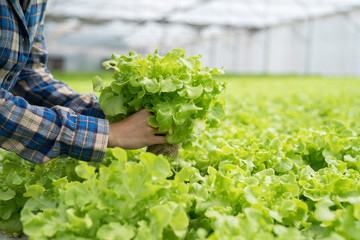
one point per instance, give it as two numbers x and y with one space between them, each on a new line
302 37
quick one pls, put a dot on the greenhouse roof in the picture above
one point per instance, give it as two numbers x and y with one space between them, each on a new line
140 22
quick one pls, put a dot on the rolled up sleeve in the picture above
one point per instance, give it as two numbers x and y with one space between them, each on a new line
42 118
39 134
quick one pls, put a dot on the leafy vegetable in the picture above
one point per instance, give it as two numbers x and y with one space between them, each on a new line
283 165
179 92
20 180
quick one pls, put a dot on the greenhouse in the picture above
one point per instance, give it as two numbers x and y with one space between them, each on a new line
244 36
192 119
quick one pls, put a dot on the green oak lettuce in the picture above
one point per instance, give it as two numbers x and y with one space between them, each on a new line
284 165
17 177
177 89
124 200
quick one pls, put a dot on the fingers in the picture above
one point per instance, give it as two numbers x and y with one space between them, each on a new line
156 132
134 132
158 137
145 112
159 140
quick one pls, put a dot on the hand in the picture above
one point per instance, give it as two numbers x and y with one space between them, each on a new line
134 132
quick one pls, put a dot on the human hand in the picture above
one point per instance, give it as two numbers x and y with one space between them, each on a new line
134 132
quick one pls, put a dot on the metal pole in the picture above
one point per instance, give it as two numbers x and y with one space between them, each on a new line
309 36
235 51
266 50
358 52
212 51
356 24
266 39
309 46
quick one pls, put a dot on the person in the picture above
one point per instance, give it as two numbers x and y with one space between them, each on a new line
42 118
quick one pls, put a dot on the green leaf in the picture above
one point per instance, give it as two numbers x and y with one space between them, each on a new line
250 196
194 92
120 154
34 191
348 227
284 165
114 105
132 54
15 178
7 195
151 85
115 231
216 113
7 209
322 212
11 225
152 122
188 62
157 166
85 171
185 174
169 85
199 191
81 223
164 116
161 215
276 145
218 71
179 221
98 84
117 87
186 110
77 194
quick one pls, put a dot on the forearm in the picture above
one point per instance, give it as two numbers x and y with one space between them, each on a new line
39 134
40 88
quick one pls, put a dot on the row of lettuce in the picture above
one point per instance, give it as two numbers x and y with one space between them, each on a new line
282 166
138 195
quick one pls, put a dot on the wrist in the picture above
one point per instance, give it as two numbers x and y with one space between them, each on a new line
111 139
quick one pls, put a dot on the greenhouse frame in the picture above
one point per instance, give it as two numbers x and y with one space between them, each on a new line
244 36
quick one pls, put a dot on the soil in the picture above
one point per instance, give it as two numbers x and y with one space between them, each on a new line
169 150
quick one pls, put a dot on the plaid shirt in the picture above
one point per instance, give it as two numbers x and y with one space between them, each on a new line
41 118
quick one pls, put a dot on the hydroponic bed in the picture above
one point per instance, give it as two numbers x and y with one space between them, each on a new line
284 164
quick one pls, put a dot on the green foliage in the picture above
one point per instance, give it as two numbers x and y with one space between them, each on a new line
20 182
282 165
181 94
121 200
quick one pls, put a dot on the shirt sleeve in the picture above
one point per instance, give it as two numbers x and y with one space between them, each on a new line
50 120
39 134
38 86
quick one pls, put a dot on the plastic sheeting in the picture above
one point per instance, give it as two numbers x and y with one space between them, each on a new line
140 23
244 36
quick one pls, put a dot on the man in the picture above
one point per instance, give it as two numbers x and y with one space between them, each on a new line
42 118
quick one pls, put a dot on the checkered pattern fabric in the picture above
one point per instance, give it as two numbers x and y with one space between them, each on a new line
40 117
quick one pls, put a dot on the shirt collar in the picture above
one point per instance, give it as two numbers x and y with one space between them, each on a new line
25 4
19 11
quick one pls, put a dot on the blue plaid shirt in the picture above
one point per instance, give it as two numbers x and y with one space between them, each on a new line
41 118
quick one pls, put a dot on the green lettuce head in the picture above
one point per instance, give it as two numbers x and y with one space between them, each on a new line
180 93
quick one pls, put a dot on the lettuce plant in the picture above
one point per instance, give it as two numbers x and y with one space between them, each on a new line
282 165
181 93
